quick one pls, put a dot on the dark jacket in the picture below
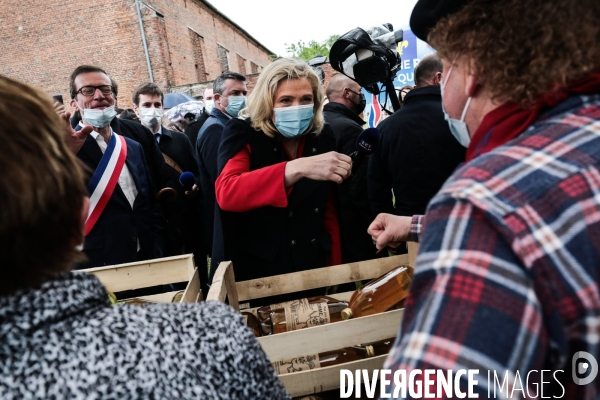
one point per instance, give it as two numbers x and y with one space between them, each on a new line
184 219
207 148
115 236
355 213
136 131
64 341
272 240
195 125
415 156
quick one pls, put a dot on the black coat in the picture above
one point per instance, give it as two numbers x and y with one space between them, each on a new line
207 147
273 240
355 213
194 127
184 227
415 156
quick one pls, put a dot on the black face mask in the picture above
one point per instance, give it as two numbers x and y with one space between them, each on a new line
362 102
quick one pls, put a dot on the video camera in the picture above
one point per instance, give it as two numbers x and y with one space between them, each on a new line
369 57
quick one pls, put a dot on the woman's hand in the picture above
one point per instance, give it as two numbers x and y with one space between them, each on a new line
389 230
330 166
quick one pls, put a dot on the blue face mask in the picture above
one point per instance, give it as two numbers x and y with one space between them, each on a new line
293 121
235 104
457 127
99 118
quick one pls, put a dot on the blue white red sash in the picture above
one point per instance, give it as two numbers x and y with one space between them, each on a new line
105 179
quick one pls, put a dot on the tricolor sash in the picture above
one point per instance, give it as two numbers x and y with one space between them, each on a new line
102 184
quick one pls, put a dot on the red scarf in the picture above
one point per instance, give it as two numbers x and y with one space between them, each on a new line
510 120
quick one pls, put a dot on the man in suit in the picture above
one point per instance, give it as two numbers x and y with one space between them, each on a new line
417 151
128 128
230 97
194 127
346 103
124 223
183 233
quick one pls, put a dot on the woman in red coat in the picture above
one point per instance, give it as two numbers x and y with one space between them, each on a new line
275 188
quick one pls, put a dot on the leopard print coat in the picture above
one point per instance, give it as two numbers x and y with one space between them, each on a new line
64 341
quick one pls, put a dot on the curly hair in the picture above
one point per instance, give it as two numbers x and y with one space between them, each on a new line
42 188
260 103
523 49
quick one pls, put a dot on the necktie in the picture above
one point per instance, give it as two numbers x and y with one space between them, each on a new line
157 137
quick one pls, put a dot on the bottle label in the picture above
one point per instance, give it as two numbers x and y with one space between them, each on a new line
300 315
279 306
297 364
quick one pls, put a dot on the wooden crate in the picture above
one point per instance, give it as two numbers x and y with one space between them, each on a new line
159 271
320 338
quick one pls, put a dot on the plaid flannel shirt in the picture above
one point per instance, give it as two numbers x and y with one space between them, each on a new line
507 276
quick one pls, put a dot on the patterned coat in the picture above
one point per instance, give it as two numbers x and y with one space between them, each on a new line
64 341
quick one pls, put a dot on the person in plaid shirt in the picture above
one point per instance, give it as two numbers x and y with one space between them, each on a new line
507 277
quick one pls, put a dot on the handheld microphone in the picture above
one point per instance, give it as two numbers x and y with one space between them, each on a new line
366 142
187 180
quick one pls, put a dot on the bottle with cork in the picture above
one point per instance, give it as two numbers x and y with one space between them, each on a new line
381 294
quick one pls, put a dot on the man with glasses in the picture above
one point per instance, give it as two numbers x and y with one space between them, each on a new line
346 103
124 222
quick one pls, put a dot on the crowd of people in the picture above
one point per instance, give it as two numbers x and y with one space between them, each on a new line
491 165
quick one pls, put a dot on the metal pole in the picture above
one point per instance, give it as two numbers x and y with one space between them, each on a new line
137 6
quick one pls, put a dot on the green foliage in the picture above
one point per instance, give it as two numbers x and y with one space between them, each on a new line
307 51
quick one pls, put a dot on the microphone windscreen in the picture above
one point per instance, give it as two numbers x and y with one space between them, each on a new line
187 180
367 140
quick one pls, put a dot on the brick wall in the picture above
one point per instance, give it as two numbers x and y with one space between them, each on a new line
43 41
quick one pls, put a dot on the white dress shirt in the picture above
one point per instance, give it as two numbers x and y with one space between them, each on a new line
126 181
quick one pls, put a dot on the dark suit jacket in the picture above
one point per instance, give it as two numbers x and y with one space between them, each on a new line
207 148
415 156
114 238
355 213
194 127
184 226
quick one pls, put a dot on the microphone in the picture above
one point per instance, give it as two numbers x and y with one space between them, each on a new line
366 142
187 180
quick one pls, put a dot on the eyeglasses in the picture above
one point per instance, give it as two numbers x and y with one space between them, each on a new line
352 91
90 90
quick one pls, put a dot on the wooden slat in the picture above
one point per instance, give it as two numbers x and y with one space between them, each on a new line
413 249
142 274
328 378
341 334
232 294
316 278
192 289
218 289
161 297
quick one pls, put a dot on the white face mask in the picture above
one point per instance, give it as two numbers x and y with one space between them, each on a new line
151 117
209 105
98 118
457 127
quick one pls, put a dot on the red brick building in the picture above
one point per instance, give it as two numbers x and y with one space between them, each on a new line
186 42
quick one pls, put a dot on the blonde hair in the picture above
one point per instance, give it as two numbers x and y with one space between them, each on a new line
523 49
260 102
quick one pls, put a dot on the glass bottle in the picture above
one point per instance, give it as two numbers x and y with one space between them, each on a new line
252 323
305 313
335 357
381 294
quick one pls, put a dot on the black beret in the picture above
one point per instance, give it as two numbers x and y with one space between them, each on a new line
427 13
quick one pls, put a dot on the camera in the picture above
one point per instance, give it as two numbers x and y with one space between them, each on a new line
369 57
